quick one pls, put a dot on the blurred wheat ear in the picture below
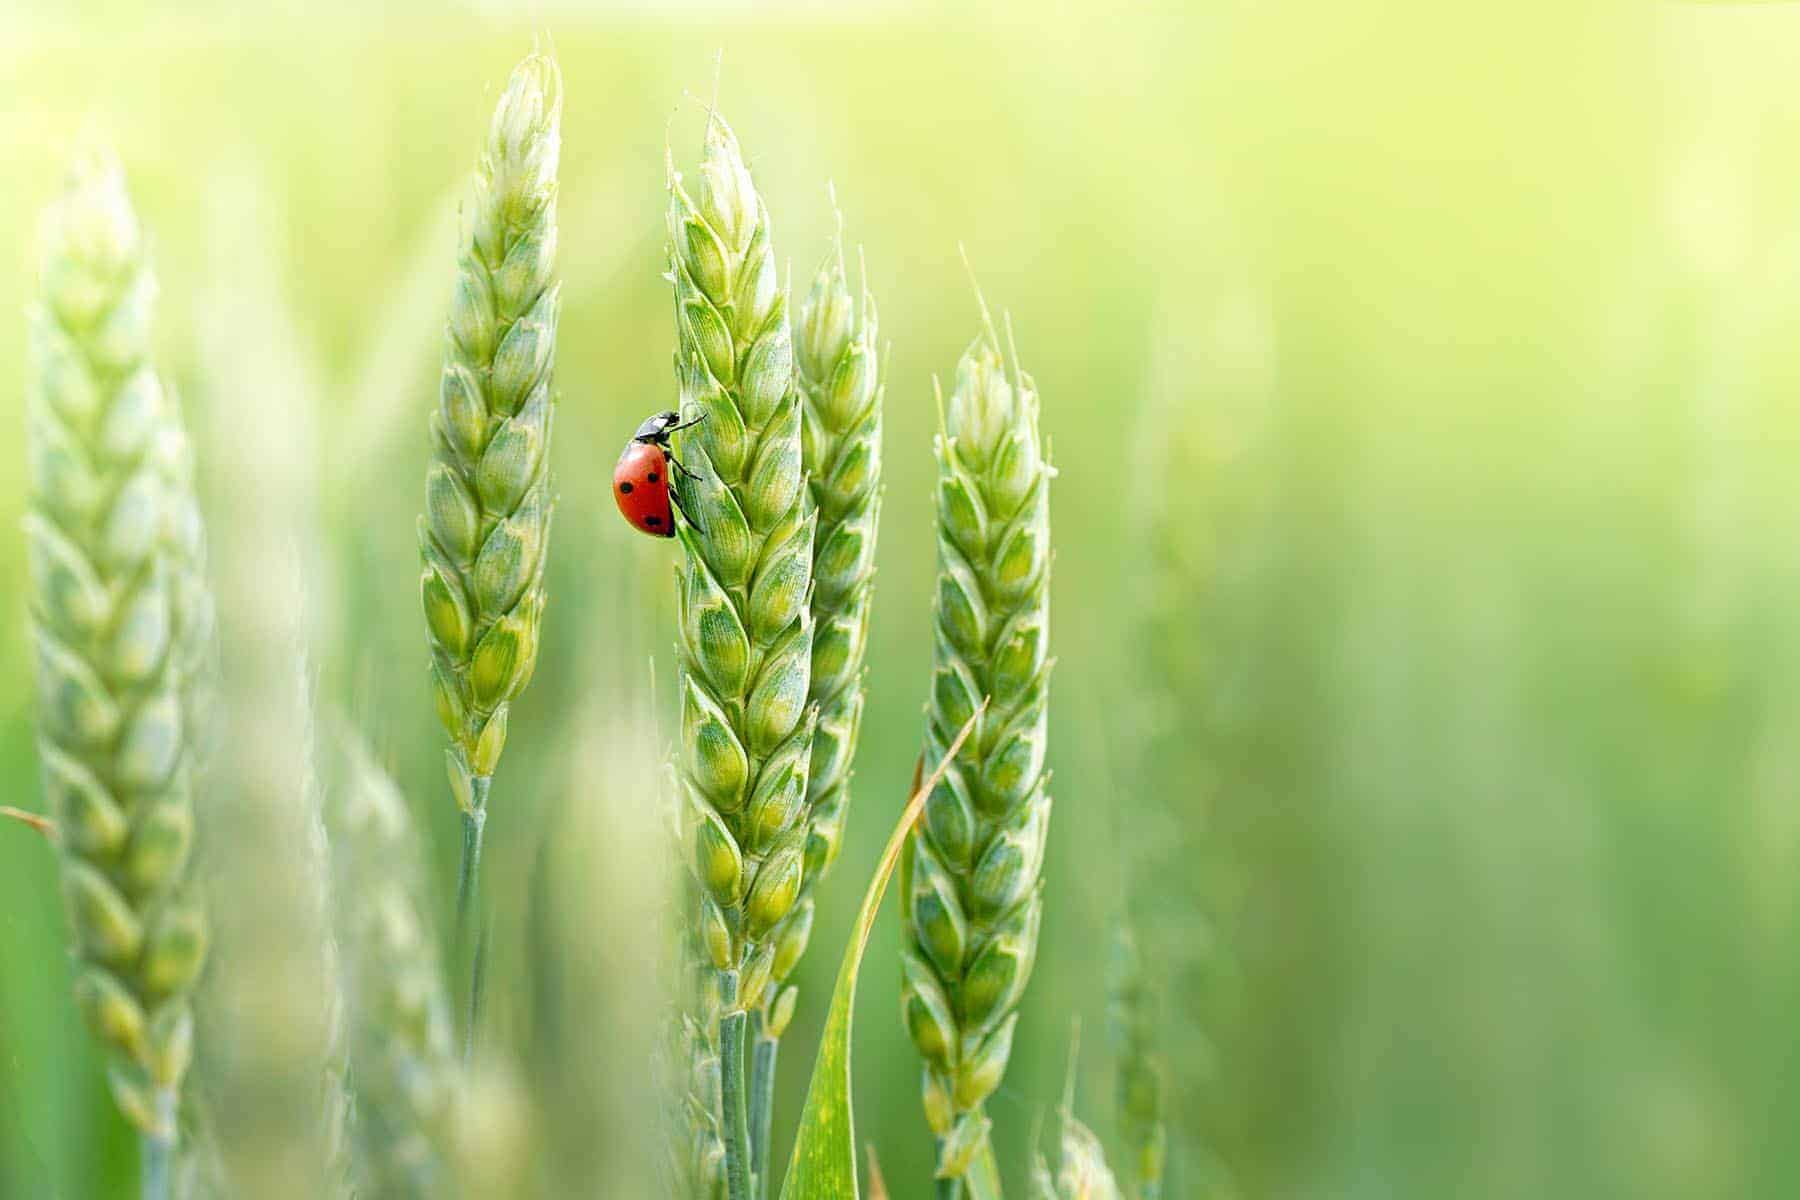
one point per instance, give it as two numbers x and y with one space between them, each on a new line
746 631
971 900
122 626
402 1053
1081 1170
272 1068
1142 1083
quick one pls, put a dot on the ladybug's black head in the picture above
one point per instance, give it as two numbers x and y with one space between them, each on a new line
656 428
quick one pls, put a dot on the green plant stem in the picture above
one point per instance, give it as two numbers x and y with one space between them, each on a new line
739 1179
949 1189
762 1105
157 1153
468 892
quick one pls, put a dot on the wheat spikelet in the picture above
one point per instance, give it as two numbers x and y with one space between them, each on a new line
122 625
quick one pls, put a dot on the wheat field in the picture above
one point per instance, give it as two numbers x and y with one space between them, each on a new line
1418 385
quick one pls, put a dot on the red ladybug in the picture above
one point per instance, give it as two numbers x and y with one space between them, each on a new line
641 478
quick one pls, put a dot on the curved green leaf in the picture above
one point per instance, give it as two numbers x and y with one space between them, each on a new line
823 1166
983 1178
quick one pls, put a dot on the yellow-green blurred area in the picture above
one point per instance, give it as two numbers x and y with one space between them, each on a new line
1424 381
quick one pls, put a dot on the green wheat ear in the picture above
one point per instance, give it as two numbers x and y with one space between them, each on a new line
969 881
402 1048
122 625
1081 1172
487 493
1141 1083
839 374
743 588
486 530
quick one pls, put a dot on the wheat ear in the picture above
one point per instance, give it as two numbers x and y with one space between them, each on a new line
744 585
1141 1083
402 1046
835 341
969 879
487 494
121 624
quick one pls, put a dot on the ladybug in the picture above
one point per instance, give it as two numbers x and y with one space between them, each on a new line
641 477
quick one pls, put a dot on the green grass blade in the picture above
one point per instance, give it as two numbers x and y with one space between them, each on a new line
823 1166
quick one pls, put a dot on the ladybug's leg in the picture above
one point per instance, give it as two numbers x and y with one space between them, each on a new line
675 496
680 467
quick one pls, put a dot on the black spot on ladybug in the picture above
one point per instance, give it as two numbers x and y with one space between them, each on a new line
625 488
653 520
651 477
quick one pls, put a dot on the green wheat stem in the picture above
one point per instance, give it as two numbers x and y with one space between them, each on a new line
739 1180
744 587
468 875
762 1102
972 899
468 901
157 1152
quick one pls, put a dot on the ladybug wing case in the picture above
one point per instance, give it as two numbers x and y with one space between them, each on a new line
641 487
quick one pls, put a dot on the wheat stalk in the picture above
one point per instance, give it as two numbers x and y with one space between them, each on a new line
487 494
690 1077
121 623
746 632
402 1044
970 875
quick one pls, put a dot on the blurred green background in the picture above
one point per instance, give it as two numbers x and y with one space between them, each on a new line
1423 382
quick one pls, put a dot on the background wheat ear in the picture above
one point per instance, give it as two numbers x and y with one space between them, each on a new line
121 623
487 492
970 894
746 630
1141 1084
1080 1173
402 1046
272 1071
